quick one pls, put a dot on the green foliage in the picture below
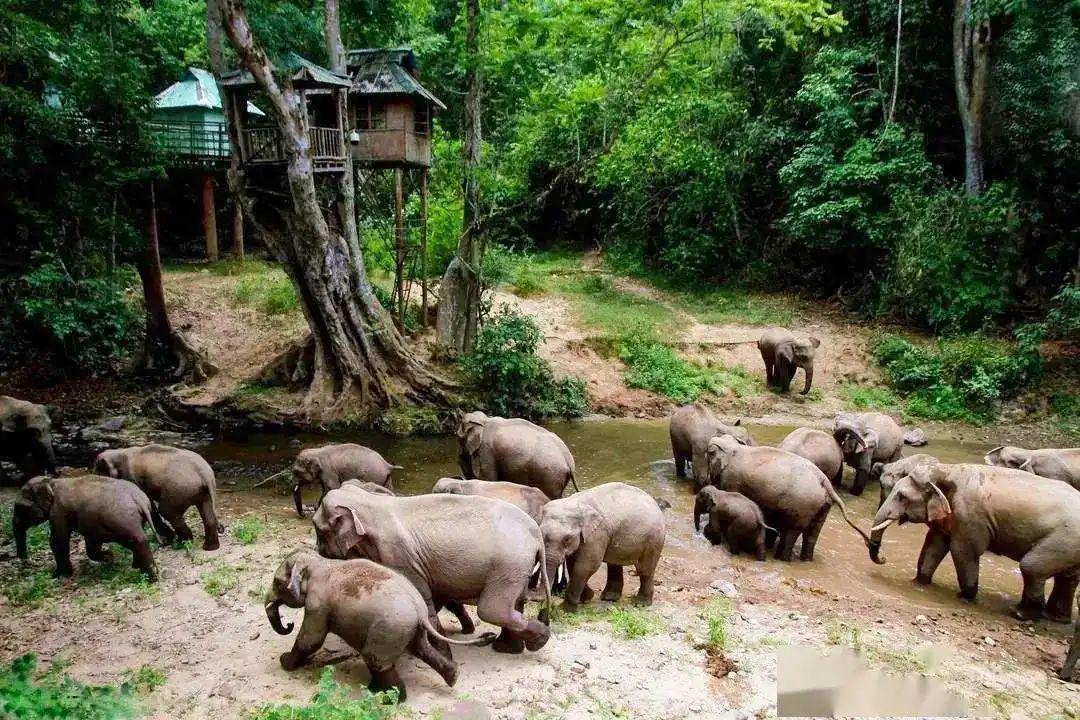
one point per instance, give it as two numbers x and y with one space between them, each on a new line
144 679
220 579
716 615
247 530
869 398
516 381
1063 320
333 701
29 695
633 622
270 291
1067 410
406 420
652 365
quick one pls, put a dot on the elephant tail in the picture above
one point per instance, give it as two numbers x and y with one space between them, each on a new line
843 510
147 520
572 480
485 639
541 558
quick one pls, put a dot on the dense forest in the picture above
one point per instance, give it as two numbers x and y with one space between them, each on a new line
914 161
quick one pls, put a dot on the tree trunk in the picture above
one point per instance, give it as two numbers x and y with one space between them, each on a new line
238 232
459 291
209 217
215 41
359 360
971 70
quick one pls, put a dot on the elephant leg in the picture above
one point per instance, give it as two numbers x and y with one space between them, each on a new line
164 531
421 648
143 556
811 533
771 536
966 562
646 570
95 549
584 564
60 542
385 678
210 523
837 480
759 546
461 613
310 638
785 548
935 548
1068 670
613 588
680 465
510 642
175 517
1059 608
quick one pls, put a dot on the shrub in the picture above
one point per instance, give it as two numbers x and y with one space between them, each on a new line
220 580
85 320
651 365
248 529
633 622
517 381
332 701
27 695
270 292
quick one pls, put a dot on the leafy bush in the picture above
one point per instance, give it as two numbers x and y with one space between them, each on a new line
85 320
516 380
332 701
1063 319
219 580
652 365
248 529
270 292
28 695
409 420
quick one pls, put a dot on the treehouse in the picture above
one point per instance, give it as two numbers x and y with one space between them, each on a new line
320 89
390 112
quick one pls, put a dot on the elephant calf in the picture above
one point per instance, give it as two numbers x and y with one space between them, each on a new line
331 465
614 523
783 354
26 437
529 499
175 480
101 509
372 608
732 517
1055 463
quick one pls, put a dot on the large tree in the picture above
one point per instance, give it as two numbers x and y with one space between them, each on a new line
355 359
971 71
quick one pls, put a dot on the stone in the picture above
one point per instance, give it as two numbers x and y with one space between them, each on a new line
989 641
113 424
724 587
467 710
254 635
921 620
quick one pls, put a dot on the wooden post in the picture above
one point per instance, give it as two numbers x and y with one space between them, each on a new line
209 217
399 244
423 245
238 232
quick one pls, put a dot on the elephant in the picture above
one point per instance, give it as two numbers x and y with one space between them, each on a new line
691 427
330 465
1068 670
613 523
174 479
1054 463
514 450
732 517
26 437
972 509
451 547
372 608
887 474
529 499
818 447
369 487
783 354
794 495
101 509
866 438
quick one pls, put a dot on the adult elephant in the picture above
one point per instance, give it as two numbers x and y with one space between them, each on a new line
453 548
818 447
514 450
1068 670
867 438
794 496
888 474
690 428
972 509
529 499
783 354
331 465
174 479
1055 463
26 437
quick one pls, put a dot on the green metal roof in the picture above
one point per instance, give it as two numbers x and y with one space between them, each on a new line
305 74
387 71
197 88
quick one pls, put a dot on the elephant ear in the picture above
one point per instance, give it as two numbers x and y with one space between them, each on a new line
295 585
938 508
474 436
815 342
41 493
715 451
104 466
349 526
592 522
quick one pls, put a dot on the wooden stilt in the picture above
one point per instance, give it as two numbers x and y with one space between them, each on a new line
238 232
423 245
209 218
399 244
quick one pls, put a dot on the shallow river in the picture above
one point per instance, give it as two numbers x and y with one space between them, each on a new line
639 453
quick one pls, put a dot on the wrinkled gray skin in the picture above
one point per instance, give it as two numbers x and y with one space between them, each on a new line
1055 463
1068 670
372 608
732 517
513 450
888 474
820 448
690 428
452 548
369 487
101 509
783 354
972 509
794 496
529 499
26 437
174 479
867 438
331 465
613 523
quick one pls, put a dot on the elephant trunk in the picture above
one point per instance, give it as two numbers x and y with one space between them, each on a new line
699 508
809 379
18 529
881 521
298 499
272 614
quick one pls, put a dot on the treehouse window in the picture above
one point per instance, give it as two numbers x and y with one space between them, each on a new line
371 116
422 120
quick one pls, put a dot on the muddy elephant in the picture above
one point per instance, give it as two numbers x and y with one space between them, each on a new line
733 518
888 474
513 450
783 354
102 510
1068 671
1054 463
690 428
174 479
26 437
529 499
793 494
867 438
330 465
372 608
820 448
453 548
613 523
972 509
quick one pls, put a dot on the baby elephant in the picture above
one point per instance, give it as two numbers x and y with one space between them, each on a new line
174 479
331 465
614 523
371 607
783 354
734 517
529 499
101 509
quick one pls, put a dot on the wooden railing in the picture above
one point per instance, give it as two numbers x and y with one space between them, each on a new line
263 145
192 139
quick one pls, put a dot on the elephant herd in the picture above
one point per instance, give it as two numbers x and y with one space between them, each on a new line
384 565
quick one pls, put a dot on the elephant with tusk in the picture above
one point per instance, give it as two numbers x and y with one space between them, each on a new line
972 509
867 438
1055 463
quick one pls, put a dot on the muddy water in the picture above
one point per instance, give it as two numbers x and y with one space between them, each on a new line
639 453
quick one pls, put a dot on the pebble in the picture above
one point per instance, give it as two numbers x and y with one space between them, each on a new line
254 635
921 620
989 641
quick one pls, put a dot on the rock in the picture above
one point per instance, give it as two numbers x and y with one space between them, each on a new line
113 424
254 635
989 641
467 710
724 587
592 646
696 707
921 620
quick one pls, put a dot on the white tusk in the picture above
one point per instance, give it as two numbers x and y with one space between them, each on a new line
882 525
